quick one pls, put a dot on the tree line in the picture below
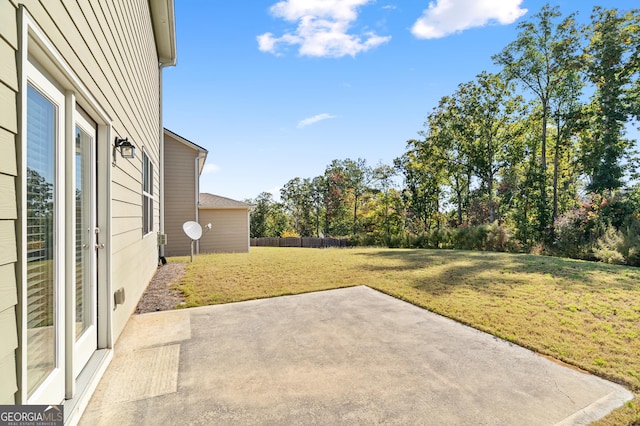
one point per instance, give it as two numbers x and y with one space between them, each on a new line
531 158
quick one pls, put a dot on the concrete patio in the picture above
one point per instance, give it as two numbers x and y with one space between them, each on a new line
348 356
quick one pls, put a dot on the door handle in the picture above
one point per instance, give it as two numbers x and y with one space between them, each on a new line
85 246
100 246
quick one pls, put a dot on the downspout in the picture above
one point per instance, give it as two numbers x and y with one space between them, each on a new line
197 185
161 66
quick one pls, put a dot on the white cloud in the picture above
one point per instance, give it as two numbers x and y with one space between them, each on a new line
314 119
210 168
444 17
322 28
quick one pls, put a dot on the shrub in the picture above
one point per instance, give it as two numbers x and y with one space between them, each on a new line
573 234
287 233
631 240
394 241
441 238
609 247
497 238
470 237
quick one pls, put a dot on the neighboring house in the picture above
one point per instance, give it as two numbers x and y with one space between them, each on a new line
229 220
184 162
78 219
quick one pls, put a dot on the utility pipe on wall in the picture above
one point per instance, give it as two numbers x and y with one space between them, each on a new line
197 185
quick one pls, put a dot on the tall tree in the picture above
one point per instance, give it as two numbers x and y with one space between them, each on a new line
260 215
492 115
357 178
383 176
613 64
537 58
268 218
566 110
423 181
297 198
316 190
335 197
447 129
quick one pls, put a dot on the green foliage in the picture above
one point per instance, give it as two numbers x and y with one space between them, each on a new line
608 247
612 64
493 172
498 238
268 218
289 233
573 232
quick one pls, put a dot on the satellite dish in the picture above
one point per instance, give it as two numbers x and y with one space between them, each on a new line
192 229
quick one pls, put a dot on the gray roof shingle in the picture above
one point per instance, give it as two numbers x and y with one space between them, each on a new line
216 201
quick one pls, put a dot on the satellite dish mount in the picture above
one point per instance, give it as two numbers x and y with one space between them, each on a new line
193 231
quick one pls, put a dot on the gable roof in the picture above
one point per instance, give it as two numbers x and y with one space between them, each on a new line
211 201
186 141
202 152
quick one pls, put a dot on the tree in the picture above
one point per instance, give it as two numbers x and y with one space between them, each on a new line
357 179
447 129
566 110
538 59
492 115
297 198
612 64
383 176
335 199
316 189
268 218
423 183
260 215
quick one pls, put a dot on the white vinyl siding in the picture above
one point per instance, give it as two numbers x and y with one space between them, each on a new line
9 79
110 46
104 58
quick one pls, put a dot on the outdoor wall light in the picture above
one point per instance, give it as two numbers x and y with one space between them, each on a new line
127 150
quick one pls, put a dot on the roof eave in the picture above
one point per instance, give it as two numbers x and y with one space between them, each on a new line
205 207
202 157
186 142
164 30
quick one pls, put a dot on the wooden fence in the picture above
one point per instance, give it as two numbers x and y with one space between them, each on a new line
311 242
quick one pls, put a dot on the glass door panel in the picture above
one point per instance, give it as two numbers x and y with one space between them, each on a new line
44 275
41 205
85 331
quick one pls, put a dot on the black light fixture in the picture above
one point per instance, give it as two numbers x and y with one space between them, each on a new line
127 150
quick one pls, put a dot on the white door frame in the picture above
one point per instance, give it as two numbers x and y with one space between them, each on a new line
79 350
36 47
52 387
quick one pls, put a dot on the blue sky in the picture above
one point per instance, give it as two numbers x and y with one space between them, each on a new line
278 89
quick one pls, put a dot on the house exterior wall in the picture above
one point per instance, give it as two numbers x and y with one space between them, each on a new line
180 188
229 233
8 205
110 48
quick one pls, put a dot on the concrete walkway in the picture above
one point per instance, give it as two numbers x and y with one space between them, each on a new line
348 356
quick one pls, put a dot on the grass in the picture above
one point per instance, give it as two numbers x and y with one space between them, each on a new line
585 314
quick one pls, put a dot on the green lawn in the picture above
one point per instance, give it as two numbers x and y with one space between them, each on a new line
585 314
